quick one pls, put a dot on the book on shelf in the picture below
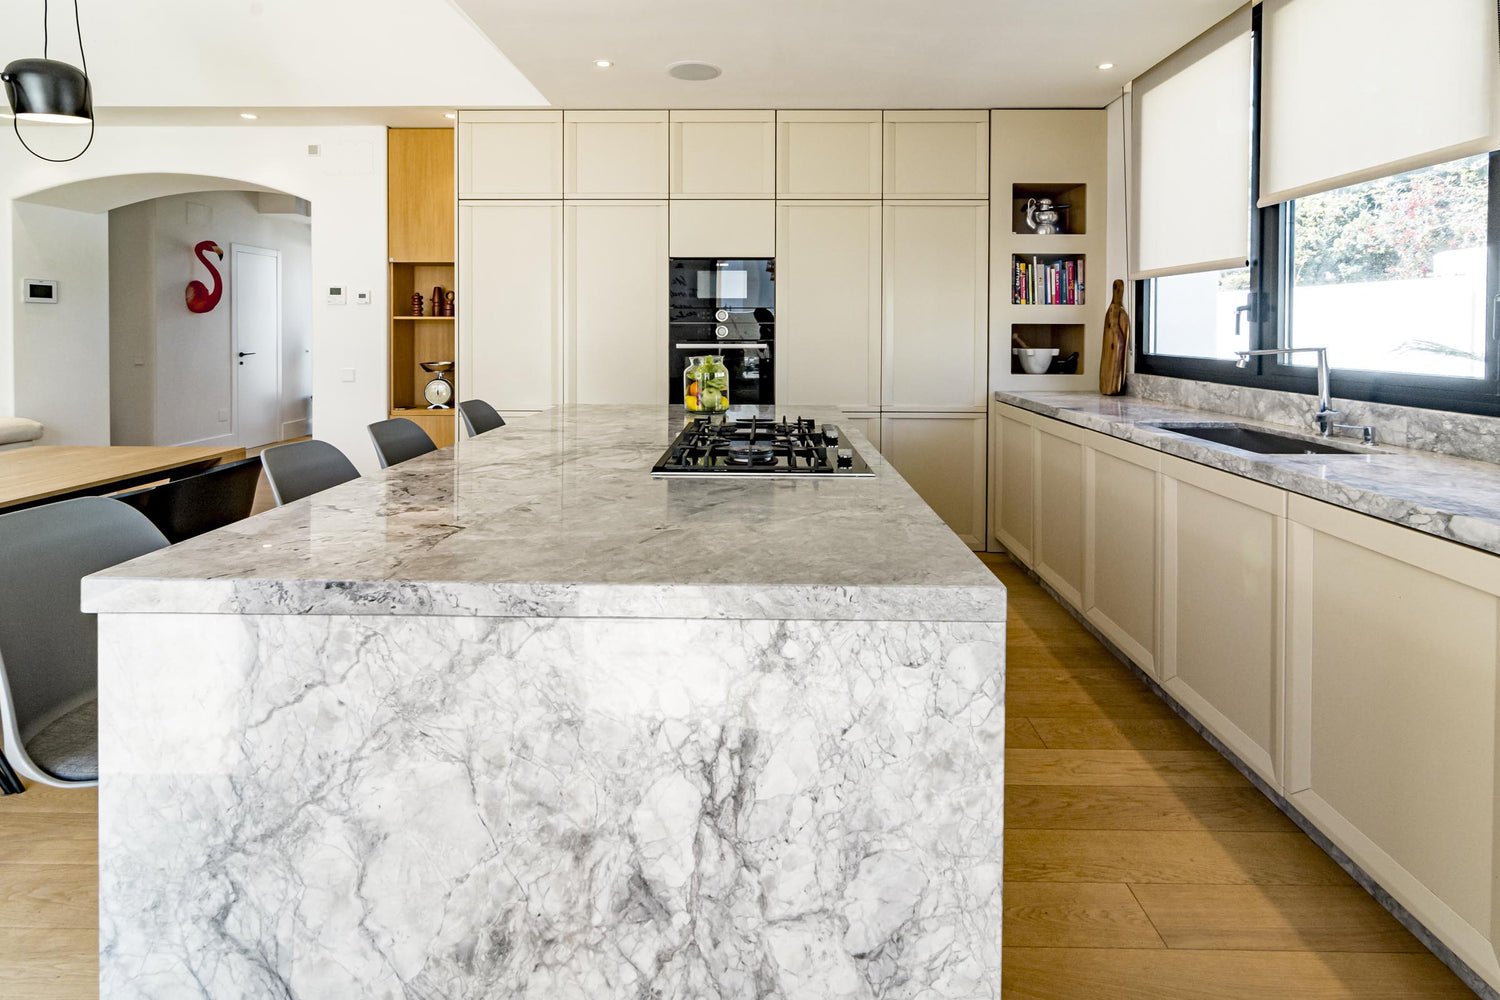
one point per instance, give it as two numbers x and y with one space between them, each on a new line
1047 283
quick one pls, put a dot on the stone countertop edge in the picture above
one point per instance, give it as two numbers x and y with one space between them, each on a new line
1457 499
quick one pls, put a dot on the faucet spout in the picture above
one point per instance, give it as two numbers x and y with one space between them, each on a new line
1325 413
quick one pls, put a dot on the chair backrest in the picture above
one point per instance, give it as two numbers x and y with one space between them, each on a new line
399 439
303 468
479 416
48 647
186 507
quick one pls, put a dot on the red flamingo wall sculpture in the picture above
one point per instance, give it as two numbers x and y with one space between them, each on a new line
199 298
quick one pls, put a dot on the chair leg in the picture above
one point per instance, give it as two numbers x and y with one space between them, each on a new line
10 782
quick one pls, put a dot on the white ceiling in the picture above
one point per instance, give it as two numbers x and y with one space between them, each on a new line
840 53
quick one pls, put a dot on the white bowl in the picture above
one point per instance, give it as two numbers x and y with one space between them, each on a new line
1034 360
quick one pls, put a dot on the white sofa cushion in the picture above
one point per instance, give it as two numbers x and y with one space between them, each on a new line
15 430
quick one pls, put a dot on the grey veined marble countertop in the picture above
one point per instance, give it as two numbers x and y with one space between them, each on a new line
1453 498
557 515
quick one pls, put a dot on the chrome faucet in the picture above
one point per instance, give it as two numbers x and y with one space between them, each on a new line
1326 412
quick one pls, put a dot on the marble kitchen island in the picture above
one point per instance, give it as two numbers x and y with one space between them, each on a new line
515 719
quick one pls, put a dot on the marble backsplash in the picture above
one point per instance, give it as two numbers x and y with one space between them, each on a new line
1462 435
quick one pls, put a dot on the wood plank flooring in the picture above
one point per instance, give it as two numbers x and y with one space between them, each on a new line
1138 864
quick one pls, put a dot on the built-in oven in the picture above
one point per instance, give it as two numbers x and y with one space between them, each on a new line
727 307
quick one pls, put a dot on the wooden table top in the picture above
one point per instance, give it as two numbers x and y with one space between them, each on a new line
29 475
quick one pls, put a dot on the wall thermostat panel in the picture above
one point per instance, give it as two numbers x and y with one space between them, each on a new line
39 290
337 295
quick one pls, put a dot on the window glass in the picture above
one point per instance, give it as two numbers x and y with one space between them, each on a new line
1391 275
1193 315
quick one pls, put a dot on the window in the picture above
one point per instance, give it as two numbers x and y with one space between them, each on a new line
1200 315
1391 275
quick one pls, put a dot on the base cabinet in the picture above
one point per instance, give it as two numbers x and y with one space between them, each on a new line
1013 489
1057 529
1391 743
942 456
1223 594
1120 544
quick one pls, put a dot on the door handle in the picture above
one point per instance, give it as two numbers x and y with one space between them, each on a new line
710 347
246 354
1239 313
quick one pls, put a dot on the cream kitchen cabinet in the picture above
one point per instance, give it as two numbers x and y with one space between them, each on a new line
616 302
937 154
935 293
615 154
1391 712
1223 559
1120 544
1057 527
510 318
828 303
723 154
510 154
723 228
867 423
1013 486
942 456
828 154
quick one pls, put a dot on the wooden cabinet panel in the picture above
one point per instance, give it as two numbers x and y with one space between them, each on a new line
867 424
1223 570
615 154
510 154
723 228
828 154
419 180
1058 504
510 282
439 424
1013 488
723 154
828 304
1120 544
942 456
617 302
1391 712
937 154
935 294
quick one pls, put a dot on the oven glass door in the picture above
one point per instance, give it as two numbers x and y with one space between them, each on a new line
705 289
752 371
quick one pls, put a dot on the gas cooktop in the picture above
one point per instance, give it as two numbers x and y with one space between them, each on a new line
720 446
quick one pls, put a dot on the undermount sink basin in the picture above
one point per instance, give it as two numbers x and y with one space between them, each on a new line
1253 439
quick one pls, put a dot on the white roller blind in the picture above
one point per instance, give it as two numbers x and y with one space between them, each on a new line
1190 168
1352 90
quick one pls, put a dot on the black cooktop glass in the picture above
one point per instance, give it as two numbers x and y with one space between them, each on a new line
721 446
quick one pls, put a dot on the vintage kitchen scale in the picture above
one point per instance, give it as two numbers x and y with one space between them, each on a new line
439 391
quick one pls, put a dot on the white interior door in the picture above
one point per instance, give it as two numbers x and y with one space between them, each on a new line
255 293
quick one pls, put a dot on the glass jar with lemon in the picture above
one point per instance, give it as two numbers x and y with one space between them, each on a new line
705 384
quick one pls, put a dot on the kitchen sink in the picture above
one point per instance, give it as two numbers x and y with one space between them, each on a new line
1254 439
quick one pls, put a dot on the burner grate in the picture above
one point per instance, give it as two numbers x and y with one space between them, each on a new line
715 445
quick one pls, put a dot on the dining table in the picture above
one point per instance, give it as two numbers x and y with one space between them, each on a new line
48 473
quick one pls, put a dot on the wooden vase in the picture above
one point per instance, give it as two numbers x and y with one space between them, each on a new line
416 303
1116 342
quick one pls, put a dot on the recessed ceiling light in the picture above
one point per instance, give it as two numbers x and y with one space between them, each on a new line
248 116
603 63
691 69
450 115
1106 65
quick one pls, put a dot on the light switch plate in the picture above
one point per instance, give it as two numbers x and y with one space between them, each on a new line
346 374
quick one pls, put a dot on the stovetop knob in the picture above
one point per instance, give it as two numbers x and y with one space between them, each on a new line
846 458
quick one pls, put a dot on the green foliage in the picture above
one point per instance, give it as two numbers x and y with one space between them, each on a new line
1389 229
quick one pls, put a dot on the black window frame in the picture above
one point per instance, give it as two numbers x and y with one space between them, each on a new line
1272 230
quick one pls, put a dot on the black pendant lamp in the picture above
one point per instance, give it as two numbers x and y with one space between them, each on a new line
49 90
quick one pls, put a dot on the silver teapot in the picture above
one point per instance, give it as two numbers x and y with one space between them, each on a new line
1042 216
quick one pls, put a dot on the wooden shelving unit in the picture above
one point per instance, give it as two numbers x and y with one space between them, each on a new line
421 239
1058 155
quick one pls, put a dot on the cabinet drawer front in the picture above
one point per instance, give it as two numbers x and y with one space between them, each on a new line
723 229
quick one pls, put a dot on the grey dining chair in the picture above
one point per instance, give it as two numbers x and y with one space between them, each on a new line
183 508
479 416
397 440
303 468
49 668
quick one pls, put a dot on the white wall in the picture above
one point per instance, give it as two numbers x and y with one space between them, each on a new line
132 325
190 391
1116 239
346 185
61 351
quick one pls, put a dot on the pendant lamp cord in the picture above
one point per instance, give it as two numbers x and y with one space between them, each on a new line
88 90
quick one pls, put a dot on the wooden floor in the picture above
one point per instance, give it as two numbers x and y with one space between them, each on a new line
1138 864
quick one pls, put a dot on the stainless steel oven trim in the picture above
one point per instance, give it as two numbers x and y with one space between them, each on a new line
719 345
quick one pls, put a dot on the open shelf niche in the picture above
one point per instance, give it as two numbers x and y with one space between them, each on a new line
415 339
1070 200
1068 338
1048 279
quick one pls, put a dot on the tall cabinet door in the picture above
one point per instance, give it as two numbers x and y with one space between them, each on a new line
1223 560
936 296
828 304
510 274
615 347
